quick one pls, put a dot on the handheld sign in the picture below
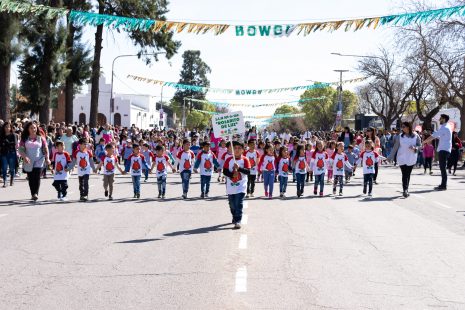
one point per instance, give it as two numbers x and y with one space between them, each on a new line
228 124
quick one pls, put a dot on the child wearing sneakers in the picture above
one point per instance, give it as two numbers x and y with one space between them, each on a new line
236 170
268 168
149 158
61 165
352 159
368 158
136 163
109 163
160 163
186 162
83 159
207 162
300 169
283 164
253 156
339 162
319 163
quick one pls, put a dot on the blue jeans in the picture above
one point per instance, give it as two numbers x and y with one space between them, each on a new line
205 183
146 174
161 182
185 178
300 182
320 180
9 161
136 183
338 179
283 184
236 203
268 181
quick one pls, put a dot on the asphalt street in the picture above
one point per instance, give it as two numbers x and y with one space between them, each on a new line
309 253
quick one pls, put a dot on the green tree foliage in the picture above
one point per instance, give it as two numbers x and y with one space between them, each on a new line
40 68
321 114
199 120
194 72
145 41
9 50
294 124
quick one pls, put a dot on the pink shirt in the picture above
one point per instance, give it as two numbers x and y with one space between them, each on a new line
428 151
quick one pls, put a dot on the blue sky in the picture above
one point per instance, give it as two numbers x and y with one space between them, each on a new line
254 62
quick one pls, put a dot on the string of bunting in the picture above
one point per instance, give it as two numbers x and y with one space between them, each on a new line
238 92
253 105
266 30
228 90
265 118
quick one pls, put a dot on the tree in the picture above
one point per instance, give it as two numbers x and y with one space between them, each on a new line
200 120
78 60
40 67
147 41
194 72
321 114
294 124
387 95
9 50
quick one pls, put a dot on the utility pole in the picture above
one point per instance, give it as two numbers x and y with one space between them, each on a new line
339 103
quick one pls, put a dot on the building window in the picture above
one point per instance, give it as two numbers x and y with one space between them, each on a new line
117 119
82 118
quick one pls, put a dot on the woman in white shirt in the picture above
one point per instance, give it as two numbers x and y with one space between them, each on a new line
406 150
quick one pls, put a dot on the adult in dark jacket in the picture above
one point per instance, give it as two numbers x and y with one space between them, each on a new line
8 152
347 137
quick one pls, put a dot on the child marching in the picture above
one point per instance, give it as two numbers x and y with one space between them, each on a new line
268 168
236 170
283 164
319 163
109 163
368 158
186 162
253 156
136 163
61 165
83 158
207 162
339 162
161 162
149 159
300 168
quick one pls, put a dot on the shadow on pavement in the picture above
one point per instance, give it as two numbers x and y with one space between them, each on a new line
366 199
138 241
197 231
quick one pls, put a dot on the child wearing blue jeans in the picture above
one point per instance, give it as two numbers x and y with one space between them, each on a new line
319 163
267 166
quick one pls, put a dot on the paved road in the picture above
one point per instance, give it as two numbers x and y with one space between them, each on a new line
312 253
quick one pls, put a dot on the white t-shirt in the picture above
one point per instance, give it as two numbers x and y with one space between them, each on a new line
339 161
136 163
239 184
319 162
186 160
253 158
83 162
61 160
160 164
368 159
283 167
207 160
109 165
300 165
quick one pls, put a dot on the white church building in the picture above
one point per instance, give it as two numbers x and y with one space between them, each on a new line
129 109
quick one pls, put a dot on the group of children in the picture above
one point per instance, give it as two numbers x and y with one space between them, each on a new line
270 162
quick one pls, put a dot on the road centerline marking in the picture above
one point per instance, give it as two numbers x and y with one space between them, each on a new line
241 280
243 242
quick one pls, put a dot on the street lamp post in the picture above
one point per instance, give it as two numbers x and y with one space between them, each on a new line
365 56
112 99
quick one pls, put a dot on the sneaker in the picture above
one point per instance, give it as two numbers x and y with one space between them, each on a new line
334 192
364 191
270 197
82 198
266 194
431 173
440 188
202 195
219 180
145 180
251 195
135 195
63 199
163 196
138 195
405 194
247 196
159 196
321 194
315 192
370 195
281 195
237 226
284 195
184 196
106 193
340 193
34 197
206 195
110 197
375 182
